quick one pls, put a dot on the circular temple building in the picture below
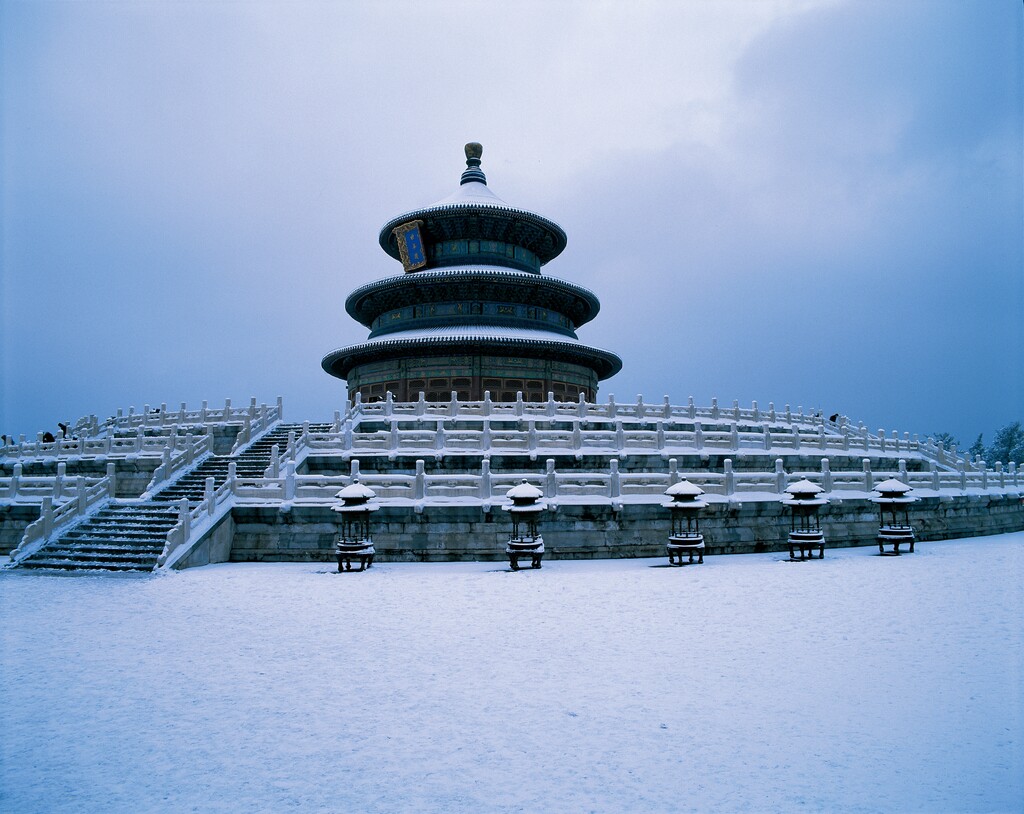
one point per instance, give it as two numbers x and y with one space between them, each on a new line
472 312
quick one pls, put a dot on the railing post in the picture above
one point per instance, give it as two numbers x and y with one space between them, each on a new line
1013 472
389 404
734 437
280 407
485 436
550 480
111 479
962 470
581 406
756 413
289 479
698 435
420 487
612 409
614 486
780 476
620 437
519 402
821 436
735 409
577 437
551 404
487 403
826 475
661 436
902 466
881 439
936 482
984 474
485 479
453 405
1000 474
767 438
353 468
869 480
83 502
439 436
673 471
421 403
58 482
640 409
232 476
730 478
691 408
46 512
208 498
771 411
789 415
714 408
202 412
16 481
666 407
532 439
182 409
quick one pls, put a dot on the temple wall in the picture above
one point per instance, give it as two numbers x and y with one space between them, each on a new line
298 533
469 376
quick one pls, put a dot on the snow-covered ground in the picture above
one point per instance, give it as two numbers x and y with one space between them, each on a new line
856 683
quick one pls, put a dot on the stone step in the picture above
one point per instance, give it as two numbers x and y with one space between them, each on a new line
72 565
74 555
144 551
87 538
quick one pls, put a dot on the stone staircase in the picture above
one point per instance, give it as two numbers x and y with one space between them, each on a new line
119 537
130 536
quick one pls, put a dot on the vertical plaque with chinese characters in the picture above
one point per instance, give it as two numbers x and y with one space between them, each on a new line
410 245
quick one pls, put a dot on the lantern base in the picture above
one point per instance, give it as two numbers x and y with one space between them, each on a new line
349 551
805 542
520 547
895 536
691 544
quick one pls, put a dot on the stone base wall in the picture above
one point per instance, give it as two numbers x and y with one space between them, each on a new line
14 519
449 533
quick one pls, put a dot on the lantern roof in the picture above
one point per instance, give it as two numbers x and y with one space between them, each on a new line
524 491
893 491
684 490
355 491
803 488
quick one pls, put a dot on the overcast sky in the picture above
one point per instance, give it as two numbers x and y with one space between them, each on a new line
817 203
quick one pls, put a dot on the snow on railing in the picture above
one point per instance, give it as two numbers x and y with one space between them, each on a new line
194 522
151 417
486 486
178 458
34 488
679 427
109 446
255 423
55 520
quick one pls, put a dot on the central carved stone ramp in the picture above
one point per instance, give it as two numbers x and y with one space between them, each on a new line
120 537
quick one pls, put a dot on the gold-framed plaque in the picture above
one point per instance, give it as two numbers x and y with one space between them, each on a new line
410 245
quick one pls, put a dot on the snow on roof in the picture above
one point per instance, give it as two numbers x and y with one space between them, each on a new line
475 332
684 489
472 192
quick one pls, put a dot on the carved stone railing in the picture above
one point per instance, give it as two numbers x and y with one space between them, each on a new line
55 520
